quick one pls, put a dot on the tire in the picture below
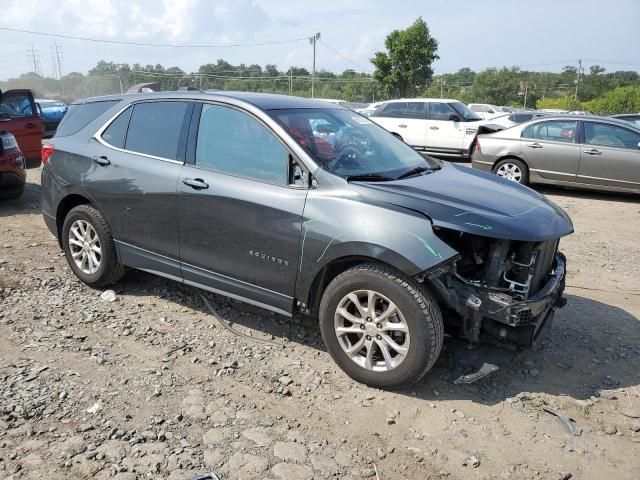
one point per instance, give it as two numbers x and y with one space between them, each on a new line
417 311
512 169
12 194
109 270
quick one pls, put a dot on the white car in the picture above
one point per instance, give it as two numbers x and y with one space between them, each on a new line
487 111
442 127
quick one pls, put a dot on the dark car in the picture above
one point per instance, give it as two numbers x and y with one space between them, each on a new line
633 118
19 115
52 113
12 167
302 207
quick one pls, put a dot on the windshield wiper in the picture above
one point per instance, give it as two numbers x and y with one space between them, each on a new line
369 177
417 170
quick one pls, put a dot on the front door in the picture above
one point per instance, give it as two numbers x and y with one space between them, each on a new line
134 166
610 156
240 219
551 150
443 133
19 115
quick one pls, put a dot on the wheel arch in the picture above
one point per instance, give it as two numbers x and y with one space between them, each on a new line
64 207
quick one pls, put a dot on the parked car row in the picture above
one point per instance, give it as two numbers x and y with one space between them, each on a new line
583 151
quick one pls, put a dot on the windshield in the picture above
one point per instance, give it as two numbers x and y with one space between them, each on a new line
348 144
465 111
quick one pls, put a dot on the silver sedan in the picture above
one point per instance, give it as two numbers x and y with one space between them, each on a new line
581 151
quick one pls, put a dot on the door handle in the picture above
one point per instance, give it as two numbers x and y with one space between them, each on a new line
434 128
195 183
534 145
402 125
30 125
593 151
103 161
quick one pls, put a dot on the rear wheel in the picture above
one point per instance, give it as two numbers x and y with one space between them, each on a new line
512 169
13 193
88 245
381 327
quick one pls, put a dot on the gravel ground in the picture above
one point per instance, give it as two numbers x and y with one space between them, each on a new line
150 385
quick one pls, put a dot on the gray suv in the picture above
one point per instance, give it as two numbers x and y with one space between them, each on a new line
302 207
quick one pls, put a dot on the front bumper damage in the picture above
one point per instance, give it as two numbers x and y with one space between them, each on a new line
492 314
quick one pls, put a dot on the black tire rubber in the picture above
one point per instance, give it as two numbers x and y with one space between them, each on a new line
12 194
419 309
524 180
111 270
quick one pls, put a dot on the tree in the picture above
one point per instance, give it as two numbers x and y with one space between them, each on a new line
405 68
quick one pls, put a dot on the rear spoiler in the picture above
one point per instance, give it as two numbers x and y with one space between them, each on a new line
491 128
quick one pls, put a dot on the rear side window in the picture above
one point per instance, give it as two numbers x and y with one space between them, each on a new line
79 116
554 131
231 141
394 109
154 128
417 110
116 132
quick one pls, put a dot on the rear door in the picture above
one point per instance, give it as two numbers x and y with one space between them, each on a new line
407 119
442 132
551 150
610 156
19 115
135 161
240 219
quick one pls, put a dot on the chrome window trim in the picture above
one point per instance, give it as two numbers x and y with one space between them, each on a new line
98 135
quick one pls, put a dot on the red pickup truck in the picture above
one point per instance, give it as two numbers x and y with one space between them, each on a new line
19 116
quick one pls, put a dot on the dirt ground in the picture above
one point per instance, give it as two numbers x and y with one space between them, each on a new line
151 386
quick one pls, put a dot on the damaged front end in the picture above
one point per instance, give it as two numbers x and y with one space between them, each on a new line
498 290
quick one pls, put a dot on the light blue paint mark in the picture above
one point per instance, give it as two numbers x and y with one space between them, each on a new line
484 227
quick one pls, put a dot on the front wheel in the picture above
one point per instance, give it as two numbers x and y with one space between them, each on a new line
381 327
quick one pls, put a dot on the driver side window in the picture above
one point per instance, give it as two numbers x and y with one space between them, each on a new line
439 111
16 105
231 141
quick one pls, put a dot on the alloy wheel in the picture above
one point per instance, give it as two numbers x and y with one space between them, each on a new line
510 171
371 330
84 246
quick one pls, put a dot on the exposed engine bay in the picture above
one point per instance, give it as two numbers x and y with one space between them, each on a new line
501 290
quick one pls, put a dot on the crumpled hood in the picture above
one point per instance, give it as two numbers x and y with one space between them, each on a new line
476 202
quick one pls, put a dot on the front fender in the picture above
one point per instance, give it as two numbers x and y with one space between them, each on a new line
340 224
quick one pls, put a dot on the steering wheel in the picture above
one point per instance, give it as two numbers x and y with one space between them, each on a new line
350 154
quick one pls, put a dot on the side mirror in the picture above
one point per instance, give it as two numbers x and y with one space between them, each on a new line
298 176
454 118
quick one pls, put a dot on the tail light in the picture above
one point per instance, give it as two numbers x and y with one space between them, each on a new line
477 147
47 151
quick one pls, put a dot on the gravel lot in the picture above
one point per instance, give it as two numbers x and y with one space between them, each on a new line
151 386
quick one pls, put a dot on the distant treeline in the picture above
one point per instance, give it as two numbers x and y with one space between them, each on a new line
597 90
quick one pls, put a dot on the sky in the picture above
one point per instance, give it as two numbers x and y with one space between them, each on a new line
535 35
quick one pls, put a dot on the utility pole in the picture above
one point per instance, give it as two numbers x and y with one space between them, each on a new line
34 56
442 83
312 41
575 95
58 51
290 80
526 89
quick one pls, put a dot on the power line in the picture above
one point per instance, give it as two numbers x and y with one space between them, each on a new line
141 44
345 58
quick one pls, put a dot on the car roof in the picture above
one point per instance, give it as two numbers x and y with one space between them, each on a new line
264 101
590 118
439 100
